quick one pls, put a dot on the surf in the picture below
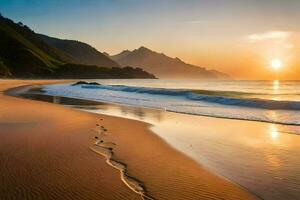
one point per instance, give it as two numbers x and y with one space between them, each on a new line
211 103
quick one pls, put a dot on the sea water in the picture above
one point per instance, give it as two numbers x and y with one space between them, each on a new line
267 101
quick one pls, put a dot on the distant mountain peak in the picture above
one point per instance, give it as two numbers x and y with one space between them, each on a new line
163 66
126 51
143 48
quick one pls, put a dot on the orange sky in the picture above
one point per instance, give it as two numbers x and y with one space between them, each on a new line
250 56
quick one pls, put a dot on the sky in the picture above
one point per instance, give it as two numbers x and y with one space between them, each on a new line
244 38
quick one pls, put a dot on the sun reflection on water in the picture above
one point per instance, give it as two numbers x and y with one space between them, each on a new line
276 83
276 87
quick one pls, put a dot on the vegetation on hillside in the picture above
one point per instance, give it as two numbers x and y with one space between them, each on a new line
23 54
93 72
82 53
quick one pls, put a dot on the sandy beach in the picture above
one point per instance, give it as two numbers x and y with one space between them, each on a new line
47 153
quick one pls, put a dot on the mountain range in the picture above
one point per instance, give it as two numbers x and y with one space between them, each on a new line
165 67
26 54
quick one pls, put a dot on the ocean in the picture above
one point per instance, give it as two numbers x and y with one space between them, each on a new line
267 101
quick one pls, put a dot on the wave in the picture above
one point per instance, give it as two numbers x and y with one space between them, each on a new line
230 98
222 104
158 91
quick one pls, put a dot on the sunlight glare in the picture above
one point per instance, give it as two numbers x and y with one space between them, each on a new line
276 63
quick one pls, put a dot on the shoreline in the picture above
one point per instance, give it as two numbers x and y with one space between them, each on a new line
129 150
204 114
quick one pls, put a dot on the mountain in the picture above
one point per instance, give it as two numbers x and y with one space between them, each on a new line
81 52
163 66
24 54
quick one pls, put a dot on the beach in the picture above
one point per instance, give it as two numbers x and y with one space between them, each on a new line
46 154
149 100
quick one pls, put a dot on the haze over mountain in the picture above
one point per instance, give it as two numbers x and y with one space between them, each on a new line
163 66
24 54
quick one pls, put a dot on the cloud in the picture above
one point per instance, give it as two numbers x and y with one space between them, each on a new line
271 35
283 39
197 22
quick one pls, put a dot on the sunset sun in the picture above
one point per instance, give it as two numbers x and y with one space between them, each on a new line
276 64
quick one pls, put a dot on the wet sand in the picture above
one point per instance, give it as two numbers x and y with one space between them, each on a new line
45 153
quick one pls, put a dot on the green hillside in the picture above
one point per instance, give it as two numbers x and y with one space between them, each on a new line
24 54
81 52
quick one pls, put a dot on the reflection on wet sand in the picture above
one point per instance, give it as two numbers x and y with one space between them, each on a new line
136 113
274 132
60 100
124 111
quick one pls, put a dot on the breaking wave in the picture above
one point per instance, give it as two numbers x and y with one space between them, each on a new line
231 98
